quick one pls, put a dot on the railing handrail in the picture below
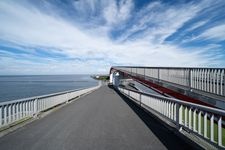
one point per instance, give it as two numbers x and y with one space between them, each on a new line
12 111
194 118
41 96
207 80
167 67
206 108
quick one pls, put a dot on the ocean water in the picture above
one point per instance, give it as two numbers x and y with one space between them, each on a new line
17 87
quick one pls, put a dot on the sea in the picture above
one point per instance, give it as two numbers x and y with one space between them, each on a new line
23 86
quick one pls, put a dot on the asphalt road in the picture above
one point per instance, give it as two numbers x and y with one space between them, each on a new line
102 120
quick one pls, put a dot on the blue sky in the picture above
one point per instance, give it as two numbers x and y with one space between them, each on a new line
89 36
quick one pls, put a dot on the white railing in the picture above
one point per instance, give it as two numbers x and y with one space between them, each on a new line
203 121
16 110
211 80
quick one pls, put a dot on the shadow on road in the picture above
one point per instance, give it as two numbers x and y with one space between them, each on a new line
166 136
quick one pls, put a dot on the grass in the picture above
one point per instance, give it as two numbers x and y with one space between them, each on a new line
103 78
208 127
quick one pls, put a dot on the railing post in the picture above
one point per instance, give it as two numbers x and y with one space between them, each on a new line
194 120
140 99
67 97
5 114
178 117
35 113
21 107
9 113
212 128
199 123
158 74
205 125
220 131
144 73
13 112
190 78
17 111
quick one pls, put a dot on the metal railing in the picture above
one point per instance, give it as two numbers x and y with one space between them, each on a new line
16 110
211 80
206 122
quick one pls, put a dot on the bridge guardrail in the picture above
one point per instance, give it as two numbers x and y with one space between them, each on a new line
203 121
13 111
210 80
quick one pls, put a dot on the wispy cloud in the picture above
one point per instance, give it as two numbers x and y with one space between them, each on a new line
90 36
215 33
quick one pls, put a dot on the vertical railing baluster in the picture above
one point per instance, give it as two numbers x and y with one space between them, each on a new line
21 111
175 112
198 79
185 116
26 107
212 128
9 113
13 112
172 111
199 123
194 120
202 79
35 107
190 118
208 80
205 125
211 80
221 82
17 111
181 114
220 131
205 80
5 114
217 82
169 113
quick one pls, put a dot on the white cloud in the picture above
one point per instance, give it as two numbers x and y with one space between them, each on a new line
216 33
28 26
158 21
116 13
197 25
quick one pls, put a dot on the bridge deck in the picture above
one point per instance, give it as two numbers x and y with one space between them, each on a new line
100 120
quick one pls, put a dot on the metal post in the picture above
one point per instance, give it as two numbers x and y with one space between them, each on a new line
140 99
220 131
21 112
205 125
178 116
24 109
185 117
9 113
5 114
26 105
144 73
158 74
13 112
199 123
212 128
194 121
190 118
17 111
190 78
35 113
